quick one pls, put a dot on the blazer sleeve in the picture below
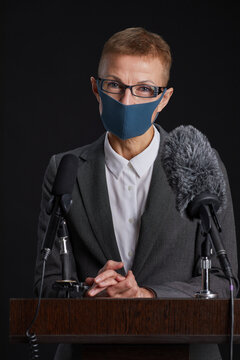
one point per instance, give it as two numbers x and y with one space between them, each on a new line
53 270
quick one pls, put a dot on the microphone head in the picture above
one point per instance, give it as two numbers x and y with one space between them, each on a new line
66 175
192 167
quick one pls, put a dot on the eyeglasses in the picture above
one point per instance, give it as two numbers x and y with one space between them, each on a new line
140 90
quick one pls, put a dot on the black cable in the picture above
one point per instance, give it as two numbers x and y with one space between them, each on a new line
32 338
231 318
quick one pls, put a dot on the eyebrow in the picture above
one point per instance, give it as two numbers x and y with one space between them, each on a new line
139 82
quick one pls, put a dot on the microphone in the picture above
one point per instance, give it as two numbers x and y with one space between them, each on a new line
62 198
191 167
193 172
66 175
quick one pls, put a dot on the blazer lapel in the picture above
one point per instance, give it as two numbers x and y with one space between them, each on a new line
155 212
93 187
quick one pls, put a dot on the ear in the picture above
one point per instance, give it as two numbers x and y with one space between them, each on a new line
94 88
165 99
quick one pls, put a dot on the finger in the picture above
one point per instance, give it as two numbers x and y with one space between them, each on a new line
125 288
112 265
119 288
125 294
107 282
130 274
102 294
132 292
97 288
105 275
95 291
120 277
89 280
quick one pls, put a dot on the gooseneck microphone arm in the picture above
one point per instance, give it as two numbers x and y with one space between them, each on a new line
208 210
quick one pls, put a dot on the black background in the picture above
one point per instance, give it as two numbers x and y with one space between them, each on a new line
50 50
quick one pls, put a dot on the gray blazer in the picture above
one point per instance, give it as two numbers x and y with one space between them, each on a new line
167 257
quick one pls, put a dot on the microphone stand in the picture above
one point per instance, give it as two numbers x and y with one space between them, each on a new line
205 292
204 207
65 284
70 288
58 226
206 249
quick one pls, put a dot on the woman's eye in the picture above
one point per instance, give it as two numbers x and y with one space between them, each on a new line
113 85
145 89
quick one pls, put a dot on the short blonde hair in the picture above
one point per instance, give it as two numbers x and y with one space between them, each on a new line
138 41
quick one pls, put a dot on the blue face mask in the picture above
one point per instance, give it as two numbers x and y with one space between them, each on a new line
127 121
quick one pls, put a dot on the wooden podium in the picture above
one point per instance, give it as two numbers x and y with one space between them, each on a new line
126 328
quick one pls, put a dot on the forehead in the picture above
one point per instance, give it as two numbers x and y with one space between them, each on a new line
131 69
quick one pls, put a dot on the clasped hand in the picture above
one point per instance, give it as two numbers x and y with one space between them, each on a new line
109 283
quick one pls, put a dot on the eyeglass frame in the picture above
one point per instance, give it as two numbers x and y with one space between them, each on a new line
157 89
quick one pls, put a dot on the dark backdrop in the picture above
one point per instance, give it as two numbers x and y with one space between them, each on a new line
50 50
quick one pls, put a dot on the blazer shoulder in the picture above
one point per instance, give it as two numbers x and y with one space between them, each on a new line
83 152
